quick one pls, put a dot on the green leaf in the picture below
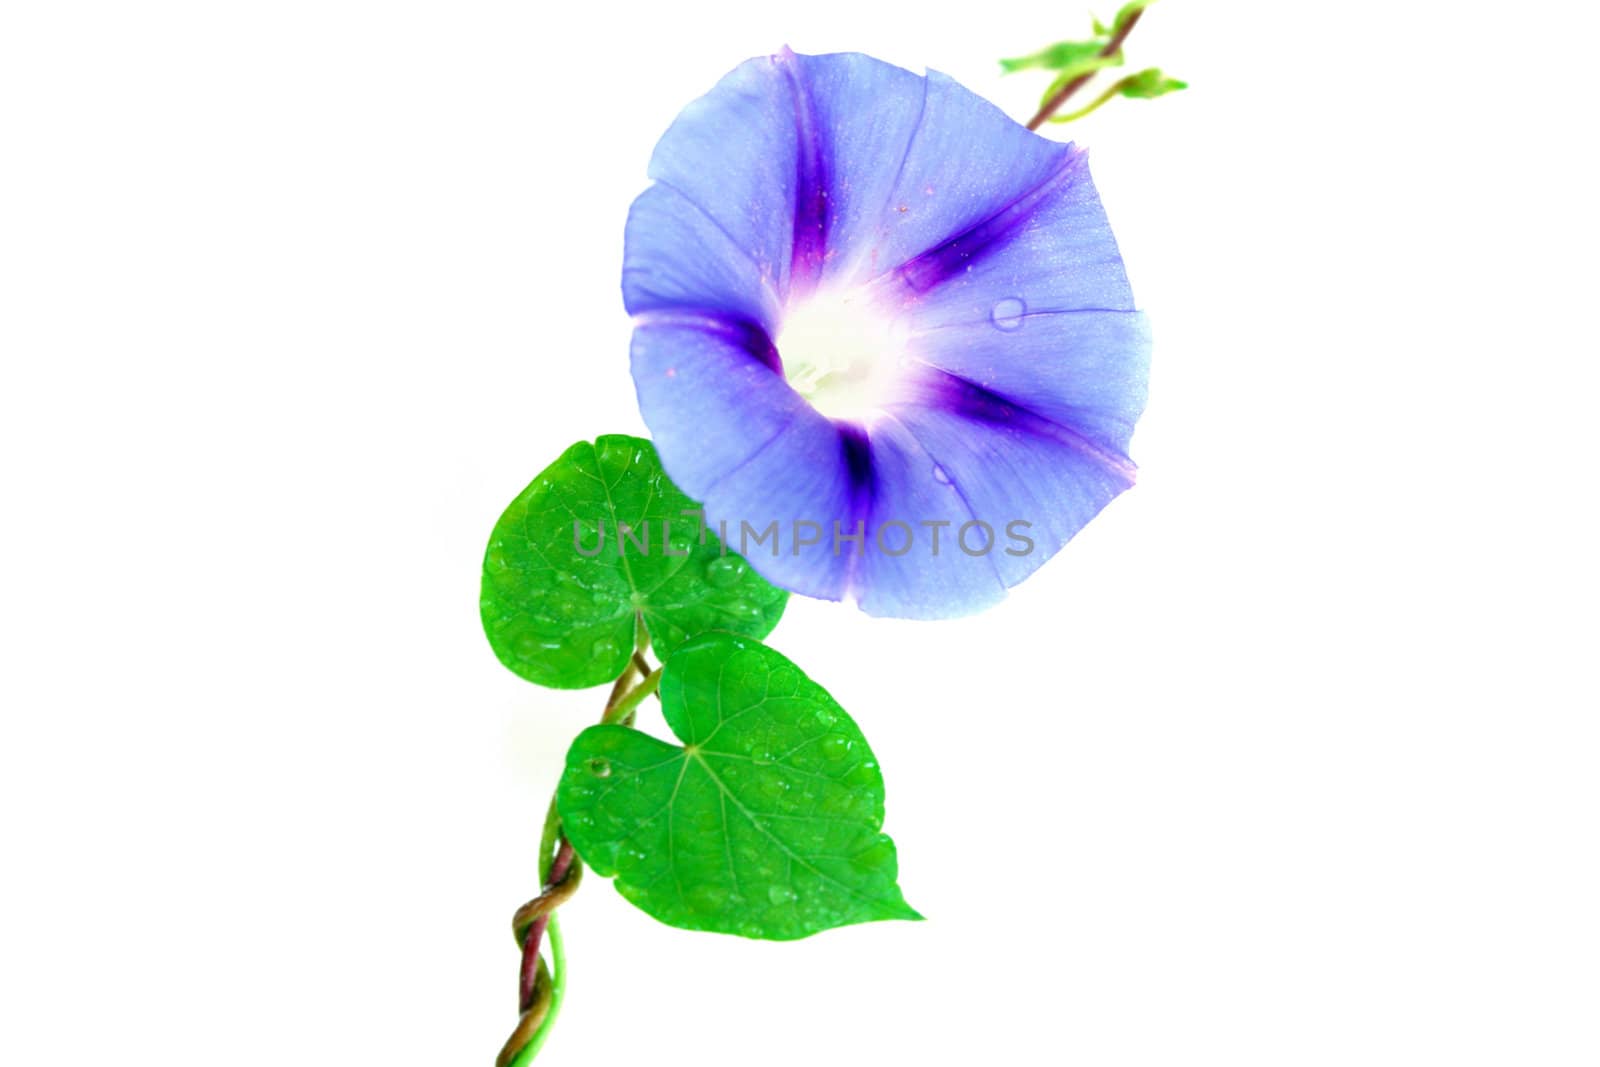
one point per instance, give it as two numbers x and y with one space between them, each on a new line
1128 10
561 617
1056 57
1078 70
1145 85
764 823
1076 57
1149 84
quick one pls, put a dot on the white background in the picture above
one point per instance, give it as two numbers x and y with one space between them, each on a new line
1288 759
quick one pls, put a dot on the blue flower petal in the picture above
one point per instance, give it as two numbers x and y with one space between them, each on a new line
709 392
1029 483
734 155
864 115
1045 315
914 508
803 474
678 257
1083 369
963 162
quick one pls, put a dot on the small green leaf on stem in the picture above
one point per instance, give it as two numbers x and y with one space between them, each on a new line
1079 70
1059 56
1145 85
1149 84
1123 17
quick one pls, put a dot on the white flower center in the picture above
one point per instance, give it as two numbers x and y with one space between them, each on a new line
843 353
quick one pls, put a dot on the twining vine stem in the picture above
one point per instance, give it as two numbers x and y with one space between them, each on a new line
540 986
1052 105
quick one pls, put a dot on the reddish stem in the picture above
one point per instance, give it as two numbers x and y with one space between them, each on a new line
559 867
1052 105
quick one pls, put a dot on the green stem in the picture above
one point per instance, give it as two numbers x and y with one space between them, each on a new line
549 840
558 991
616 711
622 709
1101 99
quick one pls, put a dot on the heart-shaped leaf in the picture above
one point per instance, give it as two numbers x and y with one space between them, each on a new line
764 822
599 543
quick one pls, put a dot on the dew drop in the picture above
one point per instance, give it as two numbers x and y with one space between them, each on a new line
603 649
1007 314
600 767
940 476
877 856
725 571
706 898
780 894
835 747
530 644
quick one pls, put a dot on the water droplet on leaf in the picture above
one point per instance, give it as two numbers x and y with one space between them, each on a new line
706 898
725 571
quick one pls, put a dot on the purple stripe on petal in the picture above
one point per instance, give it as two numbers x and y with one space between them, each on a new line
866 116
1032 485
855 453
811 209
676 256
708 398
943 391
967 161
800 483
912 567
1084 368
733 329
963 251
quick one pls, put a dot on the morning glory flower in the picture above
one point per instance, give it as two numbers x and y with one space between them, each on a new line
876 313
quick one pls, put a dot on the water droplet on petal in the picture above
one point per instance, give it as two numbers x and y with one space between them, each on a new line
725 571
940 476
600 768
1007 314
